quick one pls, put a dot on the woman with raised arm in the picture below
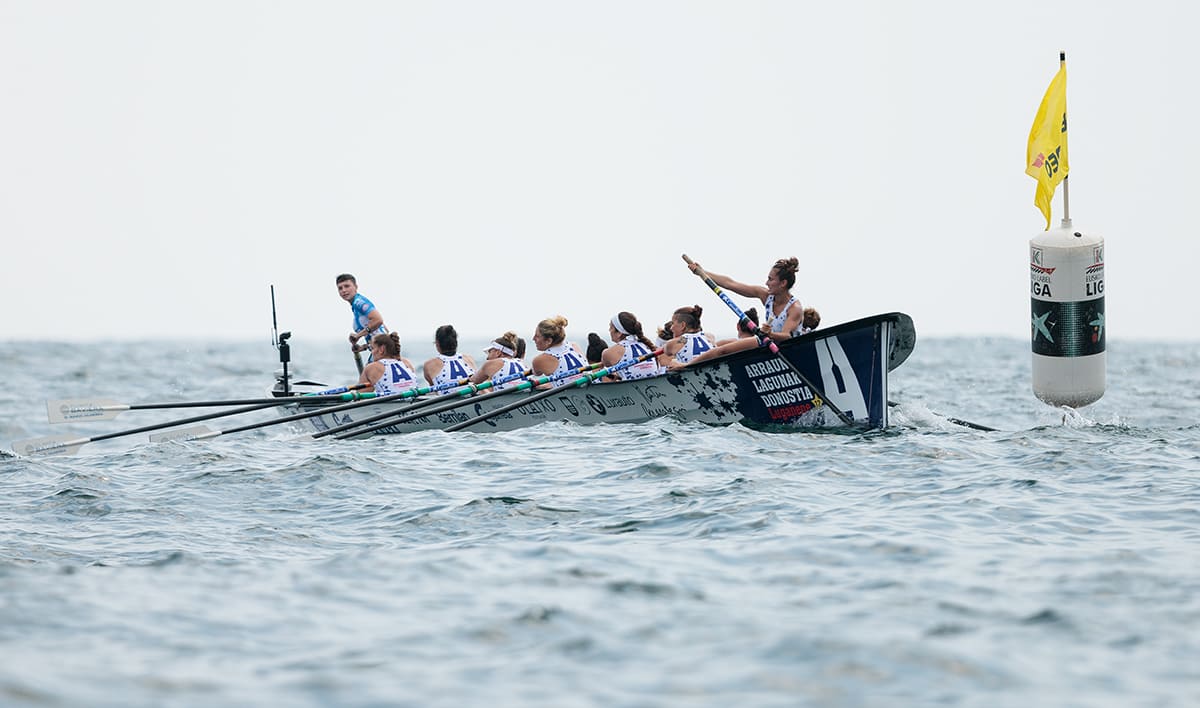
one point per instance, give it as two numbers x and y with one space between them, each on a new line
782 313
502 362
389 373
448 366
689 340
629 344
557 355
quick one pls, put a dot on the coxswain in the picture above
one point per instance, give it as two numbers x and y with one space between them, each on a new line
368 320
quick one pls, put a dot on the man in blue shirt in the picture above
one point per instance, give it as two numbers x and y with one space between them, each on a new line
368 320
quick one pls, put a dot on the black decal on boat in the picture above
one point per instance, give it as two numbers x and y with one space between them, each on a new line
596 404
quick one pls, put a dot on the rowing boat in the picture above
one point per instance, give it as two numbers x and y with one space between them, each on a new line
846 365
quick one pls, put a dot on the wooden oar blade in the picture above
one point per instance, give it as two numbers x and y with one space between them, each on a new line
69 410
50 445
195 432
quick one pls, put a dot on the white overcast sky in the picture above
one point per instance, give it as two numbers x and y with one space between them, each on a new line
489 164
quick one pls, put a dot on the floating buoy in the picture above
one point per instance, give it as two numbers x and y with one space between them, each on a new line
1067 329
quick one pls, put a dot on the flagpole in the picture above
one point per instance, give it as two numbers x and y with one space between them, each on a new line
1066 220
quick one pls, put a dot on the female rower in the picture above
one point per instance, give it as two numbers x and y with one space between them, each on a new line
745 340
782 311
595 348
689 341
448 365
502 362
752 313
812 320
388 372
630 344
557 355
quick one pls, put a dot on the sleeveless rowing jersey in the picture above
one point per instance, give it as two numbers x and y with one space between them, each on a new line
397 378
694 344
776 322
510 367
641 370
454 368
568 359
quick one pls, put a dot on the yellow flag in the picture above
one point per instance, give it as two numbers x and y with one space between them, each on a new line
1046 156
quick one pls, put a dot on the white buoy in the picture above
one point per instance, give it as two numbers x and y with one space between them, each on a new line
1066 280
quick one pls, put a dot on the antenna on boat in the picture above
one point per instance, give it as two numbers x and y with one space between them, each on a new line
274 321
280 341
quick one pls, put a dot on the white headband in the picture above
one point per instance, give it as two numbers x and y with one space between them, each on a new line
616 323
500 348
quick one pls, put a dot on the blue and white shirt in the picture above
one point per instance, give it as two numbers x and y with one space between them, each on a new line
454 368
640 370
694 344
510 367
397 378
362 307
568 359
776 322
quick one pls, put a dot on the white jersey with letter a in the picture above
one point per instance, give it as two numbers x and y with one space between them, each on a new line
641 370
510 367
568 359
454 368
397 378
694 344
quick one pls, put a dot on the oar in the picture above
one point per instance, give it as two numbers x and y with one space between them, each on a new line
764 339
466 397
67 410
956 421
66 444
579 382
69 445
357 358
203 433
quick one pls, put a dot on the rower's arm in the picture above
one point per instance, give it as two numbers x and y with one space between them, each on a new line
374 320
745 290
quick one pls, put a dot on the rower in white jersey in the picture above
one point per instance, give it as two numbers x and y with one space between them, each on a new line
783 315
448 366
502 363
389 373
689 341
558 356
630 344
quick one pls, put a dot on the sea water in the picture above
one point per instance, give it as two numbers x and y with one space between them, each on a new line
1054 562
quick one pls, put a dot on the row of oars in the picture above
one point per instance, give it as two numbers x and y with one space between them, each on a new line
457 394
